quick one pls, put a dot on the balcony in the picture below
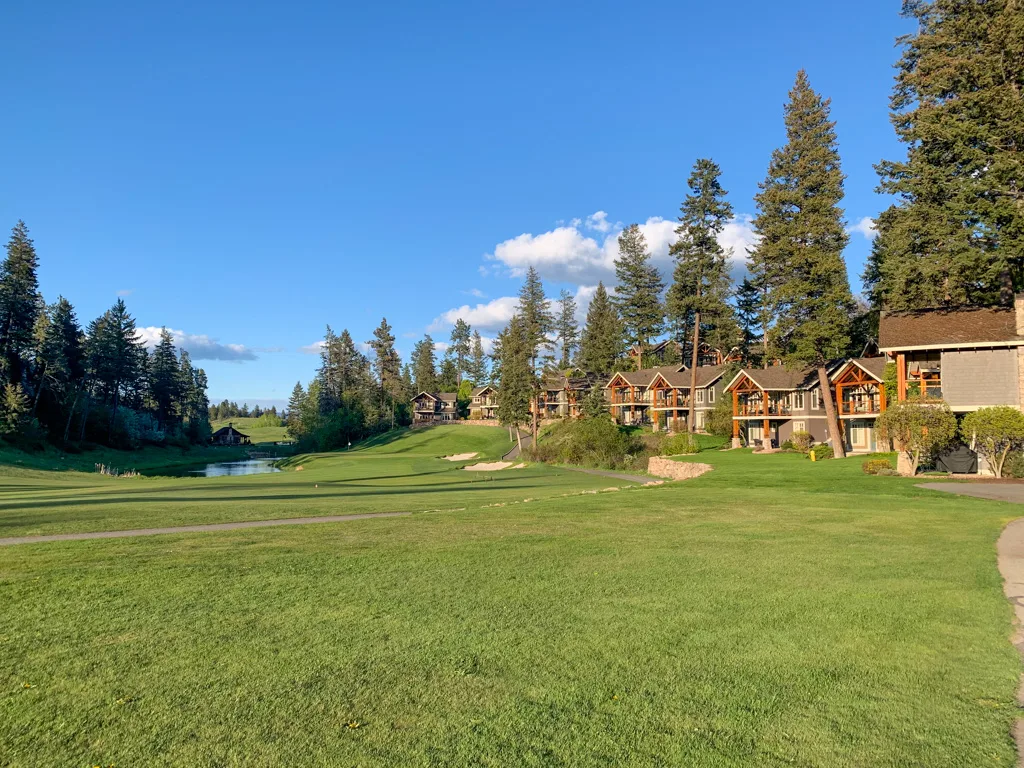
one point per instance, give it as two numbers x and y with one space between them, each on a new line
776 407
861 406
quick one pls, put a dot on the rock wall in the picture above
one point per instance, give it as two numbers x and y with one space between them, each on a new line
660 466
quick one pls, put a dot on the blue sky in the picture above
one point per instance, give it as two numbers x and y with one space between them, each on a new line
246 173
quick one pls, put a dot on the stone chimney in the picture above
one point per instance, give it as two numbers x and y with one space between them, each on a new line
1018 310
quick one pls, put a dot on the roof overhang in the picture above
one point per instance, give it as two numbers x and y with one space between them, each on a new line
847 364
421 394
953 345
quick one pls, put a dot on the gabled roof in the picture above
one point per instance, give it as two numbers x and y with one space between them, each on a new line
227 431
477 391
779 378
431 395
948 328
448 397
706 376
872 366
645 376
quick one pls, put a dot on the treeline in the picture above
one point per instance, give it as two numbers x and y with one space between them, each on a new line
68 386
230 410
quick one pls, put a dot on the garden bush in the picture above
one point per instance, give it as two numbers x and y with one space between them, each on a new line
682 443
822 451
802 441
877 467
597 443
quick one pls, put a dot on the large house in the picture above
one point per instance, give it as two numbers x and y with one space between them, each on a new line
670 396
629 398
770 404
434 408
860 398
483 403
229 436
561 395
971 357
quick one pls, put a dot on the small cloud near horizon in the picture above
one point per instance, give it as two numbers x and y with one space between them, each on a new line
198 345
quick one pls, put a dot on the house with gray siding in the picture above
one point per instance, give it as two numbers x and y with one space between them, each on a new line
770 404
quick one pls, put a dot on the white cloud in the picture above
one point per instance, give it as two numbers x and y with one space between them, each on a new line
441 346
866 227
476 293
125 292
567 254
598 222
199 345
312 349
490 316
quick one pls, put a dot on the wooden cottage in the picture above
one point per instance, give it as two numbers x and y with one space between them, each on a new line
434 408
229 436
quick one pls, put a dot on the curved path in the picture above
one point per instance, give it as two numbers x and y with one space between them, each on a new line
1010 551
194 528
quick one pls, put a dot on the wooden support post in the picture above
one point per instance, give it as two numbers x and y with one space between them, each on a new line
881 398
901 377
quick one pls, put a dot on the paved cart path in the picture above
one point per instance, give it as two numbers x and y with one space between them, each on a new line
194 528
996 491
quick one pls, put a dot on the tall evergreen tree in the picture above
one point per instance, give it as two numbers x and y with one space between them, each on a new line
296 407
20 304
460 346
165 379
702 286
567 330
388 367
60 359
802 239
116 358
538 323
601 345
478 360
638 294
448 378
424 367
748 314
956 232
516 388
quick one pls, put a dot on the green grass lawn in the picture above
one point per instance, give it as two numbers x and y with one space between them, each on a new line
774 612
247 425
396 472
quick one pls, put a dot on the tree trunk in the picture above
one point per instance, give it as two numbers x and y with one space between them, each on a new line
905 465
519 440
39 391
838 449
691 414
71 415
536 415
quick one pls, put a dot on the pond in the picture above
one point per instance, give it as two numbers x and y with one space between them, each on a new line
223 468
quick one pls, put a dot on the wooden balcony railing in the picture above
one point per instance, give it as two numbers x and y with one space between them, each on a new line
865 405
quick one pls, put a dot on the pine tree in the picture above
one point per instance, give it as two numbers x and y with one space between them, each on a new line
802 240
459 346
116 358
956 233
638 295
296 403
14 414
748 315
388 367
60 360
538 323
516 388
165 379
424 367
448 378
601 345
20 304
478 360
702 286
567 331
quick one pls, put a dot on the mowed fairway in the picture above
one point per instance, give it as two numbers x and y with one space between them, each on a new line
773 612
390 474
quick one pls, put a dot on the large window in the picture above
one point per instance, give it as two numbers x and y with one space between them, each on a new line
798 400
711 395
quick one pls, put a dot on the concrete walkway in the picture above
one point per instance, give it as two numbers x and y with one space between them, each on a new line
193 528
1013 492
1010 556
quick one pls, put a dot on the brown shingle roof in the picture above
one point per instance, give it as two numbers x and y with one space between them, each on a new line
959 327
779 377
645 376
706 375
477 391
873 365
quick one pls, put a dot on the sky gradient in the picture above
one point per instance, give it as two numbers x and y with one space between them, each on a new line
247 173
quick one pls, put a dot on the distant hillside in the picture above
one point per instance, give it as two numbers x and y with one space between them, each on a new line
258 434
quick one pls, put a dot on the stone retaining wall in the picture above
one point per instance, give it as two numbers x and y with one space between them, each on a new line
661 466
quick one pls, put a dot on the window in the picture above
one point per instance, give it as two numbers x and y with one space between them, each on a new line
799 426
816 400
711 395
700 395
798 400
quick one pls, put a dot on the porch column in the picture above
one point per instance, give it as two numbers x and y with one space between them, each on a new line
766 437
901 377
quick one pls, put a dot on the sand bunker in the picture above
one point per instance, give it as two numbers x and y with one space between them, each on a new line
492 466
461 457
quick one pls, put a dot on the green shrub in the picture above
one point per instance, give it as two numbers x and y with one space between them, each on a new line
679 444
597 443
802 441
877 467
787 445
1014 465
822 451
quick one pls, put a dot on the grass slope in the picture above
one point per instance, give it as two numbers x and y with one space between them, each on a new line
247 425
400 472
773 612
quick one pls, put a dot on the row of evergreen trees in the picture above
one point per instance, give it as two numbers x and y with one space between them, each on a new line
68 386
231 410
